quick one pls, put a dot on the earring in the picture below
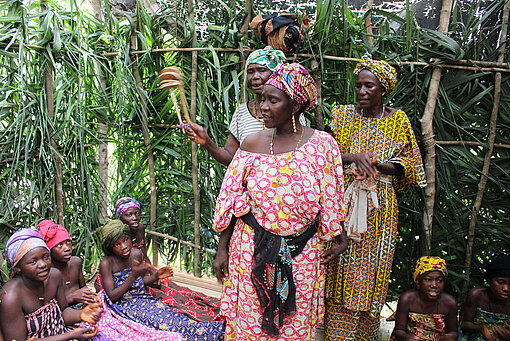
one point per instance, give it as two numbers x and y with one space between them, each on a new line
294 123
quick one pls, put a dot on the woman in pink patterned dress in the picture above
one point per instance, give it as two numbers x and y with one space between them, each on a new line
285 184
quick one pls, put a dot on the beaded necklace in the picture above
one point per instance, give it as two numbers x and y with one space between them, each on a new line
272 137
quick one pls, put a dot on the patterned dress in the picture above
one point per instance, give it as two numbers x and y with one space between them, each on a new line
357 282
143 308
285 193
489 319
118 328
426 327
46 321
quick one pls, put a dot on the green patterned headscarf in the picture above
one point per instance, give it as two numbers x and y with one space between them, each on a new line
267 56
383 71
111 232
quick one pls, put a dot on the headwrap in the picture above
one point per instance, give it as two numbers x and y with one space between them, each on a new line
426 264
267 57
123 204
296 82
22 242
498 267
383 71
111 232
53 234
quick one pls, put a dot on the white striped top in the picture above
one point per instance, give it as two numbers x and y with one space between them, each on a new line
243 123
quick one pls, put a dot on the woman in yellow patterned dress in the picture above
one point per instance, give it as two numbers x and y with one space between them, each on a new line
380 157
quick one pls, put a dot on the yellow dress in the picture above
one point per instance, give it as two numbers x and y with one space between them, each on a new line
357 282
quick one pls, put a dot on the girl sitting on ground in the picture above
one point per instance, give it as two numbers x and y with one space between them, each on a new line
487 311
58 240
124 277
427 313
191 303
33 300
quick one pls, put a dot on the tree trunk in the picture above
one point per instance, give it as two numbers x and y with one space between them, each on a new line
102 132
147 142
487 160
50 106
429 141
194 148
368 24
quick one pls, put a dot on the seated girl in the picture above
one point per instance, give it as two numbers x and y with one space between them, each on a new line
33 301
110 325
124 277
487 311
59 242
191 303
427 313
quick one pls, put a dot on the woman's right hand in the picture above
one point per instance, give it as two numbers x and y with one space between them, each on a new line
82 333
140 269
221 265
196 133
83 295
366 163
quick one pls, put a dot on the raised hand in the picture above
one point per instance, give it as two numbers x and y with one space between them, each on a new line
165 272
196 133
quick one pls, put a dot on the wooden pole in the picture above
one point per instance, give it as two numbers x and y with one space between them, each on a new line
50 106
147 142
487 160
194 148
102 131
248 8
368 24
429 141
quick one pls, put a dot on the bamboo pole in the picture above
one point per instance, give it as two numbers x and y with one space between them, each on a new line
248 8
50 106
368 24
102 131
477 65
147 142
472 144
427 121
196 246
194 148
487 160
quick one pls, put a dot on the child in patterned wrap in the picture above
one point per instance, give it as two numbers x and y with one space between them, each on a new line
124 277
427 313
487 311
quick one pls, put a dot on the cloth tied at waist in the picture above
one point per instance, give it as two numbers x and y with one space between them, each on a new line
361 199
272 272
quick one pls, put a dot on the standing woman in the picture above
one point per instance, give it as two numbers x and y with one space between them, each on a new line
247 118
286 186
381 157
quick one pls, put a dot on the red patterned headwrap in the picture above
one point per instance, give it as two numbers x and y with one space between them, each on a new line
52 233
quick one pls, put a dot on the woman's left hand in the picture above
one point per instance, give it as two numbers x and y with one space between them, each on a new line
336 248
92 313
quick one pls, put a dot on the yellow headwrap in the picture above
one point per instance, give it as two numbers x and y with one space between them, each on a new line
383 71
426 264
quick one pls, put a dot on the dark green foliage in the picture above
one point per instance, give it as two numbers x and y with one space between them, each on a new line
74 43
